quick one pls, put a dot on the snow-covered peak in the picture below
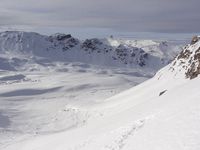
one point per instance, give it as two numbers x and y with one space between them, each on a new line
142 54
187 63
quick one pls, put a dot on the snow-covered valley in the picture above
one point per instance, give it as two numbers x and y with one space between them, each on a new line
97 94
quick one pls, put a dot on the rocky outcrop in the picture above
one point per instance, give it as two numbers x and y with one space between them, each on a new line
91 44
65 41
194 68
189 59
129 54
195 39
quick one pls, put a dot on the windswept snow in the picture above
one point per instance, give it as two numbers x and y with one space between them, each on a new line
71 105
131 120
56 98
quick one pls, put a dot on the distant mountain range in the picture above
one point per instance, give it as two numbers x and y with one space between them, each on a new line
18 48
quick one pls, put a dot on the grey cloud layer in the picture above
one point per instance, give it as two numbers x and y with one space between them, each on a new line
129 15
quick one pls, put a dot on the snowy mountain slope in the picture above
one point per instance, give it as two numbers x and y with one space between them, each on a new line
30 60
161 113
149 55
156 48
167 122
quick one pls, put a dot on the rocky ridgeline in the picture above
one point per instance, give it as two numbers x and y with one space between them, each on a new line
189 59
126 54
64 47
133 54
63 41
95 45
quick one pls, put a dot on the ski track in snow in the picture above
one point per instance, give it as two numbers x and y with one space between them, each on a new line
113 140
123 134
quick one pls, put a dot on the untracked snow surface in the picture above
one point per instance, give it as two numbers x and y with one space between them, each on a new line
79 106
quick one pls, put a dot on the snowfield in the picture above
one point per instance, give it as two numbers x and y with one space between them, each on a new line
58 105
125 121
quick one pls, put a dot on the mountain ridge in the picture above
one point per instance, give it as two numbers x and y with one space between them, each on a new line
107 52
187 62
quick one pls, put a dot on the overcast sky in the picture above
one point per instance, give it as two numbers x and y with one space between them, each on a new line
119 15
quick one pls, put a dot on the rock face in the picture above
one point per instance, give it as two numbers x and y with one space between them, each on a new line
194 69
92 44
126 54
65 41
188 60
133 54
95 45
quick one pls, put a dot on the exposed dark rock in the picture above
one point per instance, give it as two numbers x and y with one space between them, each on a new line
63 41
189 59
161 93
184 54
129 54
91 44
61 37
194 69
195 39
132 54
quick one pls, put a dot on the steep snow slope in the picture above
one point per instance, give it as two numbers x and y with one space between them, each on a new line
161 113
